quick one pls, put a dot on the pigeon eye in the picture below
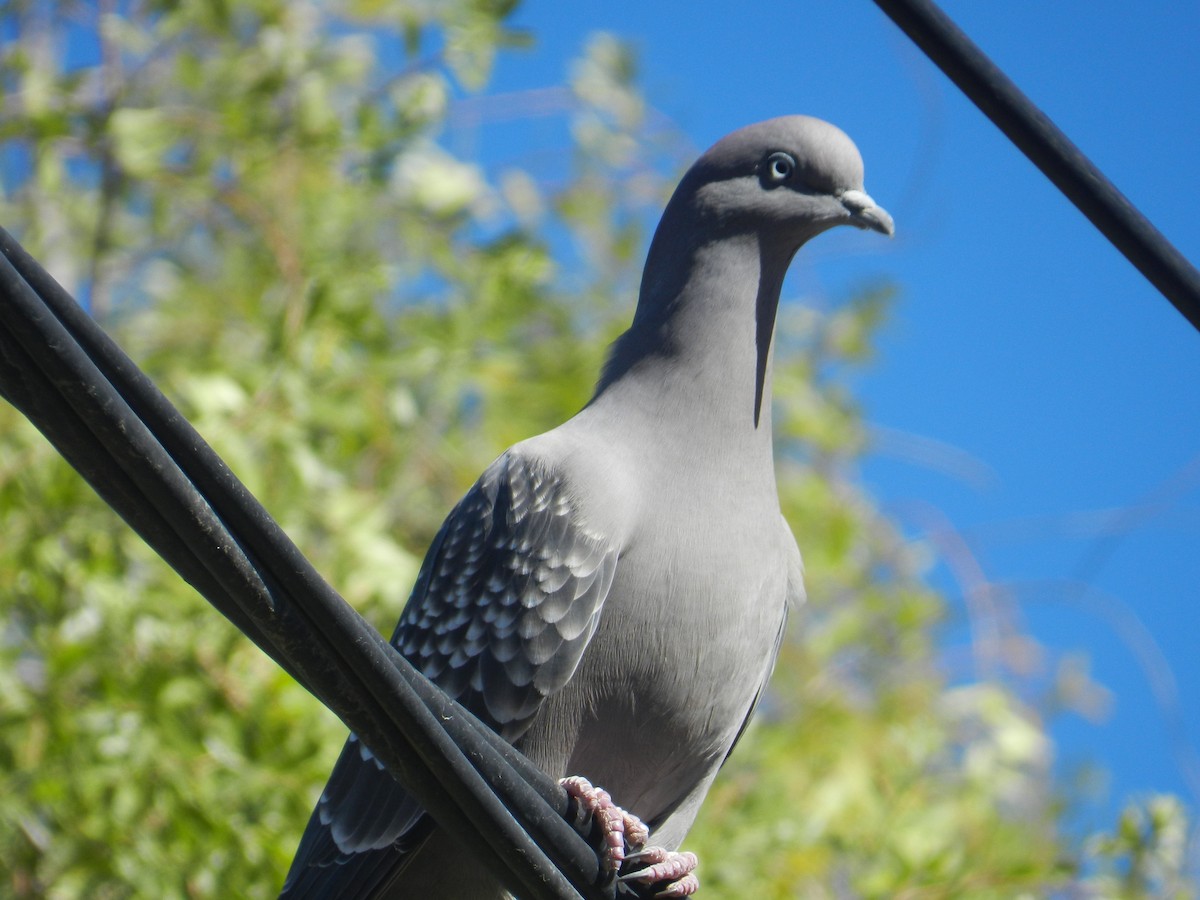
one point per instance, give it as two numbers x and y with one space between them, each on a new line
779 168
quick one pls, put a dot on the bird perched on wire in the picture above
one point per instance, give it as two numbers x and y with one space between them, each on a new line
610 595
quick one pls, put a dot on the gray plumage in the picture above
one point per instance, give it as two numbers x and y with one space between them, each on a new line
610 595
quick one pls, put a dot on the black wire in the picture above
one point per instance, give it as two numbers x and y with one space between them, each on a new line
538 798
213 478
156 481
1050 150
108 419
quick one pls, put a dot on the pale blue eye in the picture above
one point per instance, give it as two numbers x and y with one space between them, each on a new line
780 167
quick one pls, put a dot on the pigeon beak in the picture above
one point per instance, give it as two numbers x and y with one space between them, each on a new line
865 214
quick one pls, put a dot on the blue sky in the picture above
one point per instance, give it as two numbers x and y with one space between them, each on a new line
1060 388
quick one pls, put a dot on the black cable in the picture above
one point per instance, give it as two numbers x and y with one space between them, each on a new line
1050 150
250 521
163 487
108 419
528 790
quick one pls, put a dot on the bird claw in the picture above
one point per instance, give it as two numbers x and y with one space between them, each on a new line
617 827
674 867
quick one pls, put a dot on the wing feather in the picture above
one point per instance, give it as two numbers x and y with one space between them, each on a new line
507 599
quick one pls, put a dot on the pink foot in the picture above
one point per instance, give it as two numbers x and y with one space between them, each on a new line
675 868
617 826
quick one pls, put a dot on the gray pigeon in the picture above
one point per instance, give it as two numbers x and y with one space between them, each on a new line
610 595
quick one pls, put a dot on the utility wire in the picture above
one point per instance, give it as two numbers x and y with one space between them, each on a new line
1050 150
113 425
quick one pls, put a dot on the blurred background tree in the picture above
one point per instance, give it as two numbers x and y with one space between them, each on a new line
253 198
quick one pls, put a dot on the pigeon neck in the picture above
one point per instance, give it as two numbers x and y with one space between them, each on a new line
698 353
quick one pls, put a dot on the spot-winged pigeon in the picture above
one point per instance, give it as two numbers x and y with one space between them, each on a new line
610 595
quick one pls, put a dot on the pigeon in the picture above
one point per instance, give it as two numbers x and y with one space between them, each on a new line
610 596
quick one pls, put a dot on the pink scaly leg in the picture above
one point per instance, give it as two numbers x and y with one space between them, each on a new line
621 829
617 826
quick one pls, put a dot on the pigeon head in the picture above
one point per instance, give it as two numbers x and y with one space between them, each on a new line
726 240
789 179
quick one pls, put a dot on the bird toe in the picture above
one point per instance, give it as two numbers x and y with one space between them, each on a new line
673 870
618 828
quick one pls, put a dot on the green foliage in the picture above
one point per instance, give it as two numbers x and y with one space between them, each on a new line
1146 855
252 196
